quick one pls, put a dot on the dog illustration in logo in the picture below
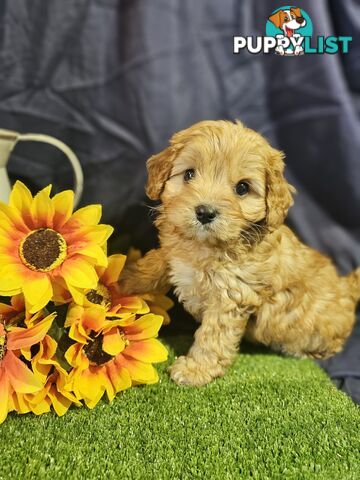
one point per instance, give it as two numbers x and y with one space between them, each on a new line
288 21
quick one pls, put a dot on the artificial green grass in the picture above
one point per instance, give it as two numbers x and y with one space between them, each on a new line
269 417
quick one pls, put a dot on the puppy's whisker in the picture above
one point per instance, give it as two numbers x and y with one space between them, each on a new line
253 233
154 210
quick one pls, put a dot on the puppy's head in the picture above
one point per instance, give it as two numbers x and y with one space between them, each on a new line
292 19
219 182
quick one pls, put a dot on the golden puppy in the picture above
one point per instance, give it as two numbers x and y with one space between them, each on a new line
234 265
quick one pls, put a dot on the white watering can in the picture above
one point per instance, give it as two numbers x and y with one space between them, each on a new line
8 140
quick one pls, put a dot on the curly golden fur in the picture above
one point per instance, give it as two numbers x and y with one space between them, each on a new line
243 274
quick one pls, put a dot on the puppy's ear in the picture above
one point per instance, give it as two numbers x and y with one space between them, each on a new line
278 191
277 18
296 11
159 168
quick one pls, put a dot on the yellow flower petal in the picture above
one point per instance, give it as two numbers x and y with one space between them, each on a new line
118 375
21 404
37 292
109 388
60 403
112 273
75 357
161 312
9 215
63 205
21 199
79 274
42 209
90 384
139 371
77 294
10 280
98 234
89 215
95 252
4 395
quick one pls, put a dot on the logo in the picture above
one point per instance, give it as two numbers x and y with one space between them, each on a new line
289 32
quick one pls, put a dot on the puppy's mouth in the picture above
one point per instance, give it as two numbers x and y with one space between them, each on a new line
206 228
289 31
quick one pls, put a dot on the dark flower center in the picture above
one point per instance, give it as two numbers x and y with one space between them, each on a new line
99 296
43 250
3 343
94 352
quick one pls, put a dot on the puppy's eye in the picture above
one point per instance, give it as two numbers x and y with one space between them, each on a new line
189 174
242 188
286 19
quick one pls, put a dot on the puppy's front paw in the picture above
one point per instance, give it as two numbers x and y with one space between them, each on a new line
185 371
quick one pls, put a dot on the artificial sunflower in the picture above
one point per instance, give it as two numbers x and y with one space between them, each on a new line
15 376
113 354
43 244
106 293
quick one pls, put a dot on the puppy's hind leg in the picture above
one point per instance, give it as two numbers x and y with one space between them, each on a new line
214 348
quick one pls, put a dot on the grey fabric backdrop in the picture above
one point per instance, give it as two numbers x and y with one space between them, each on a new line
114 79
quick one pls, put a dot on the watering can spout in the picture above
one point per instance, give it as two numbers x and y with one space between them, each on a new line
8 140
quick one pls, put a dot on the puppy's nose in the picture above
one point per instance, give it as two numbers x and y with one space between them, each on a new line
205 214
299 19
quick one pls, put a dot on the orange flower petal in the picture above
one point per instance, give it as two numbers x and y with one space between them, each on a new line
7 310
145 327
113 342
93 318
20 377
19 338
17 301
150 351
129 303
112 273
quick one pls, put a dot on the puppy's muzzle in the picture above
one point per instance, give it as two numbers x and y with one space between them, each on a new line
205 213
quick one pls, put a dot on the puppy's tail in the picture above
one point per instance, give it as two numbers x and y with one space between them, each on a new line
354 279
